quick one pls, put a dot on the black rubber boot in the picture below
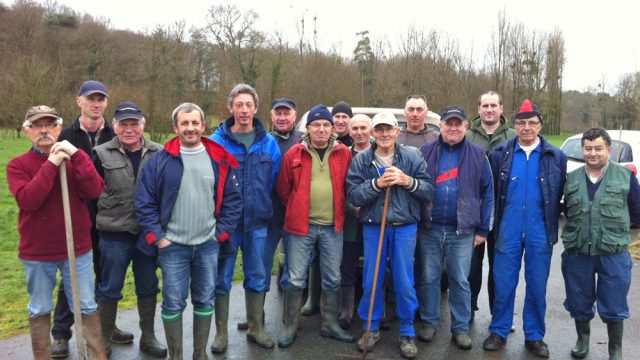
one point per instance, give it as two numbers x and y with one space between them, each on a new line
201 328
581 349
149 344
615 330
221 309
255 316
348 295
293 300
329 310
108 312
173 333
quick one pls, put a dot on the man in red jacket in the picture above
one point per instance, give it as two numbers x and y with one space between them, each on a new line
311 186
34 181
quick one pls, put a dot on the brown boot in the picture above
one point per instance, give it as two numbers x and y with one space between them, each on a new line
92 333
40 341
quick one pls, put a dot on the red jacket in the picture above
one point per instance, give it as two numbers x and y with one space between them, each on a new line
35 184
294 184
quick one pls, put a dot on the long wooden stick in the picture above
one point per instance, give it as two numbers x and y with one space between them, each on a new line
383 225
72 260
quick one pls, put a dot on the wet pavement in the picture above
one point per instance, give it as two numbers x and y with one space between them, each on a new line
309 345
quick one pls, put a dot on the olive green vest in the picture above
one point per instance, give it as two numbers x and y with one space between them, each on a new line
602 226
116 211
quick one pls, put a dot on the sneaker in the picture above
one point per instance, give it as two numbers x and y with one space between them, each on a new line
427 333
374 337
494 342
462 340
60 348
408 349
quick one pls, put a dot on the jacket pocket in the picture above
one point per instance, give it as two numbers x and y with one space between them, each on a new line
614 239
612 204
570 236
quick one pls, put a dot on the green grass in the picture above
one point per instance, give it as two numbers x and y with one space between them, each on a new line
557 140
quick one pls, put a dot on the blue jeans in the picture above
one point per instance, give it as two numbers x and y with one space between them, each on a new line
608 291
41 279
273 237
253 245
115 257
300 251
436 247
184 265
398 243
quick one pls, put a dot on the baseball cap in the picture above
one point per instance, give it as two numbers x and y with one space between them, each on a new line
283 102
453 111
92 87
385 117
39 112
127 110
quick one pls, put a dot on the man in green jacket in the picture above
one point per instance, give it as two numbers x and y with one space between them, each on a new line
489 129
602 200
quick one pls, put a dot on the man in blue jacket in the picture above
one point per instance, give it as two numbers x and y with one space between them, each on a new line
529 174
401 168
244 136
459 218
188 201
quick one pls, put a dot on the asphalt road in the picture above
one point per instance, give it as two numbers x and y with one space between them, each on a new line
309 345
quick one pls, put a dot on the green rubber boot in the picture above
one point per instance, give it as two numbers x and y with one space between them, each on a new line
582 344
255 315
221 308
615 330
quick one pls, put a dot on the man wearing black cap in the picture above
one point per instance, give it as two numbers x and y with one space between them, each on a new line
88 130
311 186
458 219
529 175
118 162
342 113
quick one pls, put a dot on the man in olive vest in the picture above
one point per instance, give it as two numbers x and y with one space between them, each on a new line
602 200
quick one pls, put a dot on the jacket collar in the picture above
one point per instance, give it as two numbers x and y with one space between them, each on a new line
215 151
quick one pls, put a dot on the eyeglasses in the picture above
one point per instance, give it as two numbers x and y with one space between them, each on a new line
531 123
416 97
317 126
48 126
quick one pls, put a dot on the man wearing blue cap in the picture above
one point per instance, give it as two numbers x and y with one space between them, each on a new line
311 186
119 162
88 130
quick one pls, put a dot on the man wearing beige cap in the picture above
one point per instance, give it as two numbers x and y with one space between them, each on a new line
34 181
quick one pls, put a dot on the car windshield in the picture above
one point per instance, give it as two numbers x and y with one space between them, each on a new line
573 149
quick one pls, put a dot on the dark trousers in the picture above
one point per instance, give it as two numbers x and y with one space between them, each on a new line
62 315
351 252
475 273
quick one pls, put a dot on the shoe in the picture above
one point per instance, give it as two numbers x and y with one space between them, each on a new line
291 314
427 333
221 310
329 310
60 349
581 349
494 342
374 337
120 336
39 327
255 319
462 340
537 347
408 349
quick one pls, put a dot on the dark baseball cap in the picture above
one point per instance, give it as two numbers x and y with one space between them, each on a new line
92 87
283 102
451 112
127 110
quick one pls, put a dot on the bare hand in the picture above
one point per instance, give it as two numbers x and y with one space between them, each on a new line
164 243
356 211
393 176
58 157
479 240
64 146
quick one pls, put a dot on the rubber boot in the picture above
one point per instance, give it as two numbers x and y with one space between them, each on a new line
221 308
173 333
292 302
108 312
93 336
120 336
348 295
615 330
201 328
149 344
313 293
255 304
582 344
39 327
329 310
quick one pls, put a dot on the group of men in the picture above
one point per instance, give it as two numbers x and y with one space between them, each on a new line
190 205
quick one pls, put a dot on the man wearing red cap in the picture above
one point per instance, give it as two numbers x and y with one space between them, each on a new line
529 174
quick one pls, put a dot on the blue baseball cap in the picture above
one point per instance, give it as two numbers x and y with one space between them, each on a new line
92 87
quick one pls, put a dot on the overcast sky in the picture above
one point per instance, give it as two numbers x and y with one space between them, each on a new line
601 37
